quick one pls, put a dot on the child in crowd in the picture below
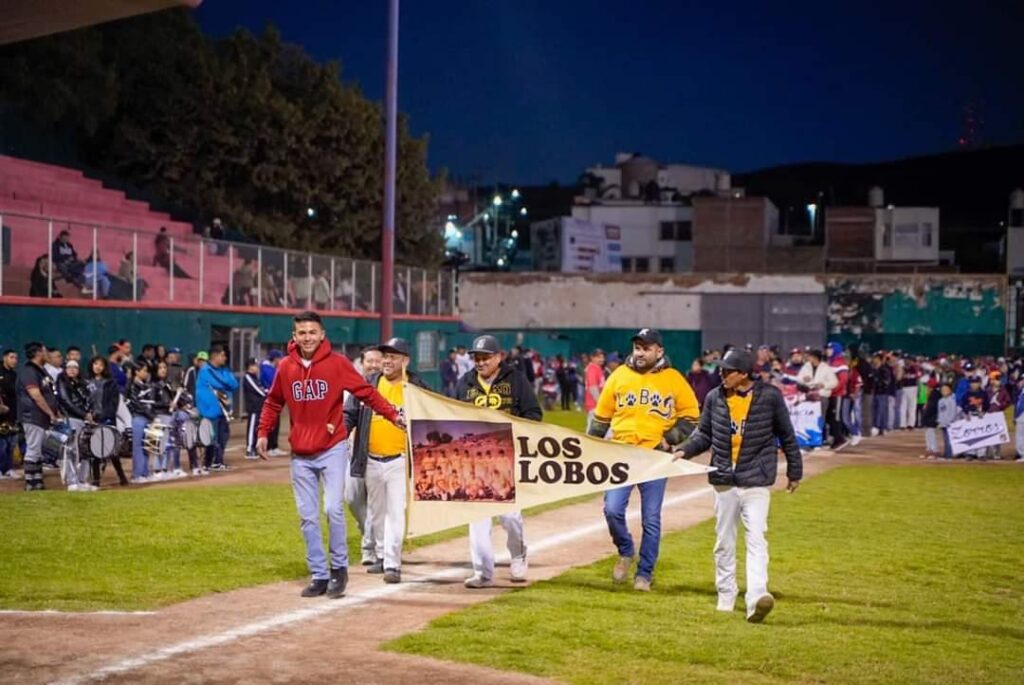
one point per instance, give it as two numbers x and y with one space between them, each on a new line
930 422
947 412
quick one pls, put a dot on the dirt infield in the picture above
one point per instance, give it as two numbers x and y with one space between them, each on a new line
269 634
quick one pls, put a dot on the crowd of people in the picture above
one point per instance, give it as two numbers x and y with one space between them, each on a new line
64 411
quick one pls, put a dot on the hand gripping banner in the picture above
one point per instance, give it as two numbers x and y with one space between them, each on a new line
469 463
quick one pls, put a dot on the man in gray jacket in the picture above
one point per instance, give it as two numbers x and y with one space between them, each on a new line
743 422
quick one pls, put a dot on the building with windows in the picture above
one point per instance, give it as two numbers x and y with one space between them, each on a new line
652 205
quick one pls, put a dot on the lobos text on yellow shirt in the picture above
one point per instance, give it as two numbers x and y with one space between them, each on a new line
642 406
385 438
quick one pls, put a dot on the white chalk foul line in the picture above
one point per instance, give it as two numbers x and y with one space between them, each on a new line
347 602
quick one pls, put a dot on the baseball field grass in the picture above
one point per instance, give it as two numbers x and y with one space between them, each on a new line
881 574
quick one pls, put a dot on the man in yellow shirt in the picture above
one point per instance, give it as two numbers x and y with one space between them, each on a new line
384 448
646 403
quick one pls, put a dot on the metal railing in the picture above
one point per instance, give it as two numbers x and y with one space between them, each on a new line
102 262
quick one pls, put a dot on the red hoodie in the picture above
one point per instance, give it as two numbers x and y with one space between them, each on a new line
314 397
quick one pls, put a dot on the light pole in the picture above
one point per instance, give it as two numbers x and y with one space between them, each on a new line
387 234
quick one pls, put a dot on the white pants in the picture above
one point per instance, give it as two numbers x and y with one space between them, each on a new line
385 500
908 407
931 440
750 505
1018 437
355 497
482 551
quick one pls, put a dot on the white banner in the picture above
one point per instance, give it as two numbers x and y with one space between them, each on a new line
978 432
807 423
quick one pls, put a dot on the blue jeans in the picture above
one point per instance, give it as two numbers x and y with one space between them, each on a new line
331 466
652 494
221 433
852 414
7 443
880 411
140 462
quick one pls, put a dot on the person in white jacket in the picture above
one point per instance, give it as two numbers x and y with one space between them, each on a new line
820 377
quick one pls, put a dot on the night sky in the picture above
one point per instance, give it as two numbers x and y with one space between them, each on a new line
530 91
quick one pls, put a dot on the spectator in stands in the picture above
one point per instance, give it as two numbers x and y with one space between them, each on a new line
40 283
162 254
95 263
148 359
65 259
244 285
884 389
126 271
322 290
73 354
216 232
462 359
301 288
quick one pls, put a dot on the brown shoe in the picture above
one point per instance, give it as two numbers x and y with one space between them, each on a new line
621 570
642 584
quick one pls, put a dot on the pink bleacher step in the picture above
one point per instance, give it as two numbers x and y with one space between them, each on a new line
29 167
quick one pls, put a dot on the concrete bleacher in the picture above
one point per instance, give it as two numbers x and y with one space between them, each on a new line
32 195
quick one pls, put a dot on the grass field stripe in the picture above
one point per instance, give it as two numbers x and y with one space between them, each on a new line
55 612
329 606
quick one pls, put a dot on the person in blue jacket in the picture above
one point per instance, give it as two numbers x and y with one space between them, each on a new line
268 369
216 378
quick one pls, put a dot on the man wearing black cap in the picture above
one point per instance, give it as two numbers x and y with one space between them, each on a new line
646 403
495 384
37 411
743 420
379 456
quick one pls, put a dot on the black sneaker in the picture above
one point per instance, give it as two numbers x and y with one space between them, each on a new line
316 587
392 576
336 587
377 567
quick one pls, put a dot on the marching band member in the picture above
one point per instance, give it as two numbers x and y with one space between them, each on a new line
214 388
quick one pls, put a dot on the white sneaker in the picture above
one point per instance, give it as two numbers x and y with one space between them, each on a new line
178 473
761 608
726 603
874 432
277 453
855 440
7 475
141 480
477 581
518 569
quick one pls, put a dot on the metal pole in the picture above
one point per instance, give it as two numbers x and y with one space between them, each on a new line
231 276
387 281
424 293
332 284
2 255
135 267
354 263
309 279
408 290
284 283
172 268
451 301
373 290
95 276
440 284
202 270
49 259
259 277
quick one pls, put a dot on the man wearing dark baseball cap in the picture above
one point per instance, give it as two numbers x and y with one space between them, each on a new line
379 452
646 403
495 384
742 422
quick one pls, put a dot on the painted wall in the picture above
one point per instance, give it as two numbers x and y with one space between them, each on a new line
190 330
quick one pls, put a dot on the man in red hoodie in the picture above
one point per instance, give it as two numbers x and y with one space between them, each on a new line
312 381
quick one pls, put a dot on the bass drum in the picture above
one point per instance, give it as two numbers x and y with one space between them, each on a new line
207 432
100 442
154 442
56 441
188 434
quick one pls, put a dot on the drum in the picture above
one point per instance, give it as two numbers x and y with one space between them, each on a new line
56 441
99 442
154 442
188 434
124 447
207 432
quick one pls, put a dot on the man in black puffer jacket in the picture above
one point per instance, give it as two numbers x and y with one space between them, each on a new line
743 423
